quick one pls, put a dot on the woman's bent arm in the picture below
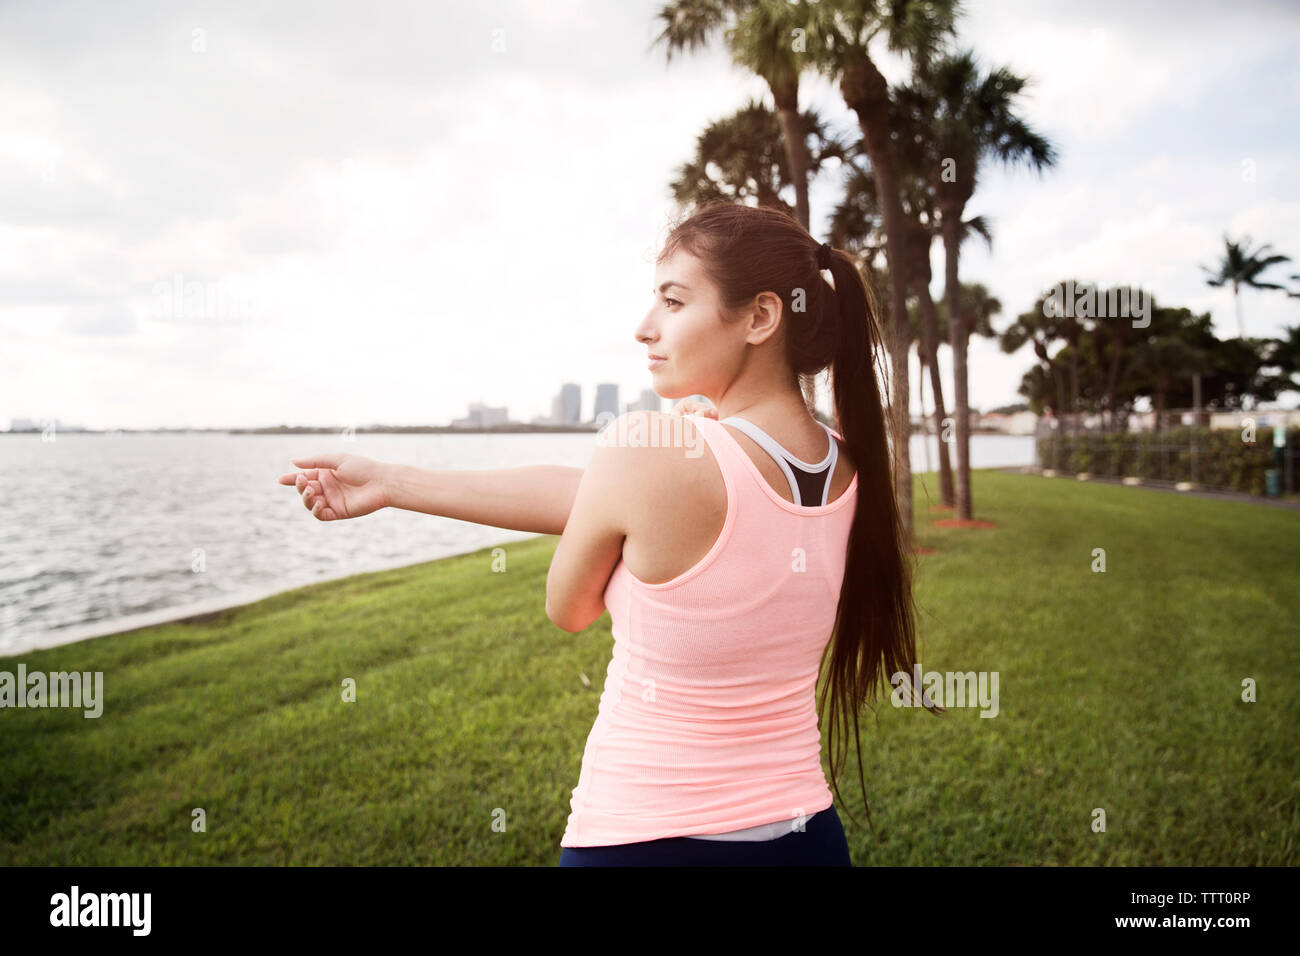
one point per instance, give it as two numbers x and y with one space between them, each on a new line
535 498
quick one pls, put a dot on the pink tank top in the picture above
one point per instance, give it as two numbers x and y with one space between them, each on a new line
708 721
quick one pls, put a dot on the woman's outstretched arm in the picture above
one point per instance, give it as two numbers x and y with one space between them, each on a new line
536 498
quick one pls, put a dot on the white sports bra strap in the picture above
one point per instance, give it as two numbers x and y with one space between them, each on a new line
773 448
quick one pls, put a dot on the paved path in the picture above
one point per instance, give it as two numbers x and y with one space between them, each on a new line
1289 505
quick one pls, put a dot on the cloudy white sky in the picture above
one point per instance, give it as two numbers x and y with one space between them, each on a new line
395 209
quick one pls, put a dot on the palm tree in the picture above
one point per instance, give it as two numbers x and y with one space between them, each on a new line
971 116
1162 362
920 225
1240 266
1042 330
978 306
845 30
761 35
916 247
1112 342
740 158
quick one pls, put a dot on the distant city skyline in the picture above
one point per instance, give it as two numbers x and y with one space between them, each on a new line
567 408
305 214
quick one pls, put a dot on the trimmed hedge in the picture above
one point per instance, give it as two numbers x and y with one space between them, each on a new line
1222 459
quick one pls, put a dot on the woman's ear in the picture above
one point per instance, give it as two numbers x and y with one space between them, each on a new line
764 318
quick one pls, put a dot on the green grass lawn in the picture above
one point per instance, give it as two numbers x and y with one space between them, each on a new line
1118 690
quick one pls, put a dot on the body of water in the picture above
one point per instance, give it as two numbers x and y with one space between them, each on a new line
103 532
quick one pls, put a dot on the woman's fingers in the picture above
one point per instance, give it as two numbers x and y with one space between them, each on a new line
314 500
296 477
301 480
323 512
330 460
308 483
692 407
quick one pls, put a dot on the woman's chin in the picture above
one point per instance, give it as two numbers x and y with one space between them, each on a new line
668 390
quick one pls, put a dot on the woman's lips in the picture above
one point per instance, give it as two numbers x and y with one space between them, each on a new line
655 362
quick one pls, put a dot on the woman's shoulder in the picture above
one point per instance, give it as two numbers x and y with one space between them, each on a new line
675 498
660 443
646 429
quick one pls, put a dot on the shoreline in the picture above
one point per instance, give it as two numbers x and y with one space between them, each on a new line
76 633
198 609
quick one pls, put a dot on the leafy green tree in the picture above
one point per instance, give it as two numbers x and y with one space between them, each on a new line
1119 363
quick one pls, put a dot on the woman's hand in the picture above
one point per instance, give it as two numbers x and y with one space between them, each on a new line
693 406
337 485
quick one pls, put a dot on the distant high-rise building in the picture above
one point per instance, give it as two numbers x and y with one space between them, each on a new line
606 401
567 407
482 416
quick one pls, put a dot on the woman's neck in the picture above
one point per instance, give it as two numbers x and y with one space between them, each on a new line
778 406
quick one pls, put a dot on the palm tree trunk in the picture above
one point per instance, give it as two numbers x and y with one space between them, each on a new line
920 389
867 93
1074 379
796 146
1058 408
1112 380
951 220
1236 299
1062 409
786 97
930 350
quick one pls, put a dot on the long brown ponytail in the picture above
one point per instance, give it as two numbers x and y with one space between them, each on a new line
751 249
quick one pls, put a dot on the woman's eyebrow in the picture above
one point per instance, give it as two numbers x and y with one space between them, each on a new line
665 285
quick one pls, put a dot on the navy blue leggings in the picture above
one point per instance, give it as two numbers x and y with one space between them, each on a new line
821 843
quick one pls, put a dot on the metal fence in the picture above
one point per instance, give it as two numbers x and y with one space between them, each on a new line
1237 455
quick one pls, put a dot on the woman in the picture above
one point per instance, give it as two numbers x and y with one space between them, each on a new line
733 547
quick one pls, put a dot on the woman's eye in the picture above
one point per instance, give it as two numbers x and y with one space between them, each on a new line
672 301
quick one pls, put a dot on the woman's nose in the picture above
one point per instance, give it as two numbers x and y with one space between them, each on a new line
645 331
